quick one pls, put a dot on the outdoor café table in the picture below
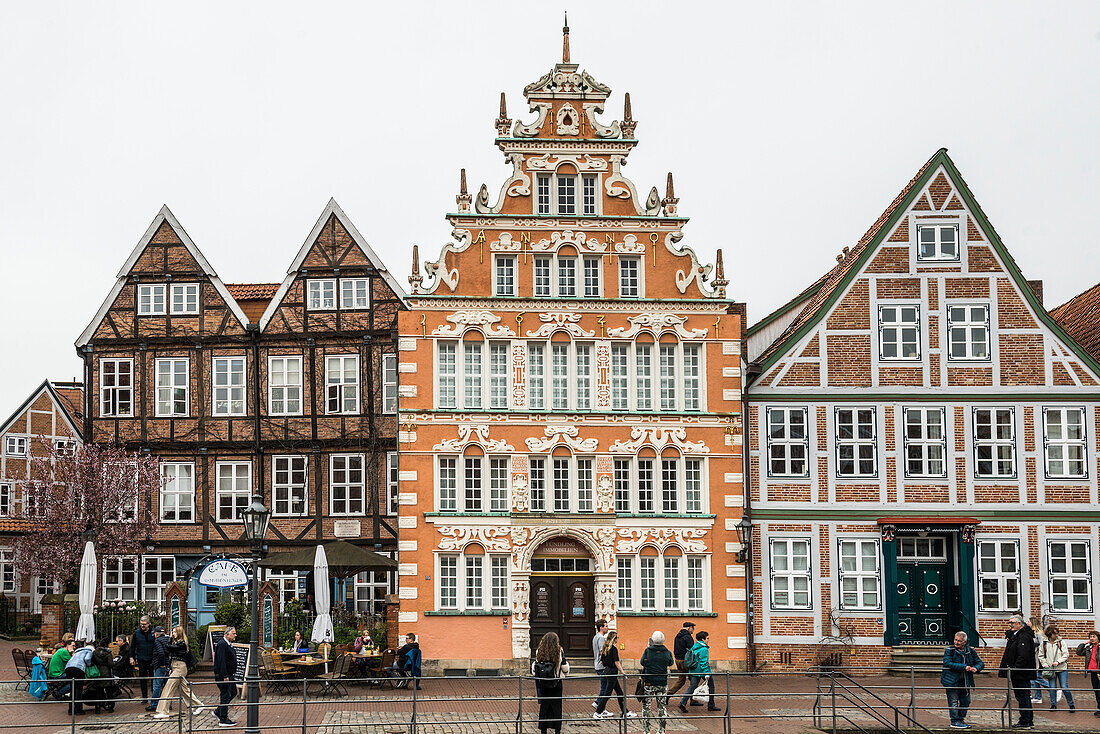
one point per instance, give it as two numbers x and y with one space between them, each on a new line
309 668
373 673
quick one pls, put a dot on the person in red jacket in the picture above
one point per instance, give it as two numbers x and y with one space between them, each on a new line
1090 651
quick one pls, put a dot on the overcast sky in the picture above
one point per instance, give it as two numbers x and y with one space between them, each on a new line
789 128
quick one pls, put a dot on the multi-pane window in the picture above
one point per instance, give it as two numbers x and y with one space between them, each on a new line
681 485
676 386
537 469
289 486
647 492
498 484
542 193
899 332
505 275
484 378
624 573
666 357
559 376
7 499
998 575
393 485
693 485
643 376
938 241
284 385
172 386
567 194
474 582
592 277
589 198
696 601
630 277
567 277
561 484
354 293
185 298
586 485
622 476
584 376
671 578
620 379
321 294
670 491
447 371
15 445
498 375
389 383
557 193
371 588
484 581
342 384
229 387
968 332
471 374
473 495
499 578
1064 443
925 442
536 376
116 387
177 492
647 572
788 442
859 574
790 573
347 485
1070 575
661 583
691 380
233 489
856 442
994 442
448 582
156 572
542 281
448 484
120 578
8 578
151 300
285 583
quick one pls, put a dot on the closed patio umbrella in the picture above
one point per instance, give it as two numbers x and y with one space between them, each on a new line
85 625
322 596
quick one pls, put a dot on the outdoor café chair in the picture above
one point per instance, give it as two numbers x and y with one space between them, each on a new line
22 667
336 681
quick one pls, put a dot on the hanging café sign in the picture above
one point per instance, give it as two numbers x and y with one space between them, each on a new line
224 573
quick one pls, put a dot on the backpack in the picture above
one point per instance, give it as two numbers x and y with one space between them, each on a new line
544 670
690 660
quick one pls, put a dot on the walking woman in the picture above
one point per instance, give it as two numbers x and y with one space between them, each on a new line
1054 667
549 667
609 657
178 655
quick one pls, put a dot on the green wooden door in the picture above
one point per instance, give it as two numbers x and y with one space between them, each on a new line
921 602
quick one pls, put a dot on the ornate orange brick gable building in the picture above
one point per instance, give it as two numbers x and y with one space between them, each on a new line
569 408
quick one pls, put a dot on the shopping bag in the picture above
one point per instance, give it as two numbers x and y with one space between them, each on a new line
701 694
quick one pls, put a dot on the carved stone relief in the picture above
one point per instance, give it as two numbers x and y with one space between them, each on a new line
484 321
555 320
658 322
658 438
455 538
532 130
519 375
473 433
569 237
518 185
566 435
591 109
551 161
689 539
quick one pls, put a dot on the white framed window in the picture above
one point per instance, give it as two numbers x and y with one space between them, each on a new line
347 485
667 385
630 277
899 332
584 378
116 388
447 481
622 474
446 371
64 446
681 485
693 485
342 384
15 445
484 580
925 442
473 494
233 490
592 269
968 332
371 588
586 484
790 573
543 267
177 491
671 577
505 275
1069 570
544 199
393 474
788 442
448 582
285 583
647 486
185 298
859 574
691 380
229 386
572 483
156 573
647 582
620 377
536 376
498 375
9 579
7 499
624 575
152 299
932 548
994 443
589 193
696 584
499 474
856 442
321 294
499 578
567 276
284 385
354 294
389 382
937 242
559 376
670 490
674 384
557 193
472 368
288 486
173 387
537 472
120 578
998 575
1064 443
663 583
474 577
566 193
562 483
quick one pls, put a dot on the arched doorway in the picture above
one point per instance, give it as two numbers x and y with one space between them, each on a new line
562 595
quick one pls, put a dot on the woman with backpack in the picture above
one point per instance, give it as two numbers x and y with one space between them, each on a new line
697 661
181 659
1054 667
609 657
548 668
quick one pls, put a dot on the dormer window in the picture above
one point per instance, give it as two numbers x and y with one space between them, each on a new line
322 294
557 194
151 299
937 242
185 298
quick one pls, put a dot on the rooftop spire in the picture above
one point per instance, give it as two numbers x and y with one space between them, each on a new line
670 201
627 114
669 193
462 181
416 278
503 123
720 281
628 123
463 199
565 40
503 106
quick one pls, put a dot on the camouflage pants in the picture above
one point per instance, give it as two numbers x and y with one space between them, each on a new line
655 696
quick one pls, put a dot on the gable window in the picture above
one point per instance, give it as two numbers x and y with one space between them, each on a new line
354 293
229 375
347 489
342 384
968 332
505 275
288 475
233 489
567 194
116 388
1070 573
788 442
898 332
925 442
151 299
938 241
592 277
790 573
185 298
284 386
542 277
1064 443
856 445
543 193
999 575
389 383
15 445
567 277
588 195
630 278
177 492
859 574
393 475
321 294
994 442
172 387
556 193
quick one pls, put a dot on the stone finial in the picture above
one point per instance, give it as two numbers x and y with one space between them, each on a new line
503 123
463 199
415 279
565 41
670 201
628 124
720 281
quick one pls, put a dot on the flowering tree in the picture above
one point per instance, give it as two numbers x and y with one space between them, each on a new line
95 488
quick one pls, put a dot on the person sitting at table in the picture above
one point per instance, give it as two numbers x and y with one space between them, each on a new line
406 662
55 673
300 644
362 646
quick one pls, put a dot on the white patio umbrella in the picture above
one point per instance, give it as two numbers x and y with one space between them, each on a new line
85 625
322 598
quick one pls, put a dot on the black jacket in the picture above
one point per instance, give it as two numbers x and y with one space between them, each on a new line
1019 656
682 644
142 645
160 652
225 660
1085 651
177 650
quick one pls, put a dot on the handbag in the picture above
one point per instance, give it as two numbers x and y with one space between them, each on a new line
1047 673
701 694
639 691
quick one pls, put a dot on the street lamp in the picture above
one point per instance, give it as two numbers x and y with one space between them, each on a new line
744 537
256 519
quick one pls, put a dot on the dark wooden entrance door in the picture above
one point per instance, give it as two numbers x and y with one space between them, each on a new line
922 602
563 604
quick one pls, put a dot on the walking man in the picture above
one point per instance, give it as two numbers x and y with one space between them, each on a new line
960 663
1018 665
142 653
162 666
684 641
225 667
597 652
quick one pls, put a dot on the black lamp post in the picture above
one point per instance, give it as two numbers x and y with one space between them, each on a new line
744 537
256 519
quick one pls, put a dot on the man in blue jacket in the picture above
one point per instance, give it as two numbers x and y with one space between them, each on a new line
225 667
960 663
142 653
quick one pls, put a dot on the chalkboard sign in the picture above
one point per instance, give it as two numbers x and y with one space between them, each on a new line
242 651
214 634
174 616
268 639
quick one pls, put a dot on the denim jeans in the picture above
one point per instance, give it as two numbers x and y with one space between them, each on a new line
695 681
1060 681
159 676
958 703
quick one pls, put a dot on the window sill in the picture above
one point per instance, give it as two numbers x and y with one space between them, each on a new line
666 614
467 514
467 613
668 515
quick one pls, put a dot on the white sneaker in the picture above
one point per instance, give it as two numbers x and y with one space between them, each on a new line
594 705
199 710
161 716
1059 696
631 715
